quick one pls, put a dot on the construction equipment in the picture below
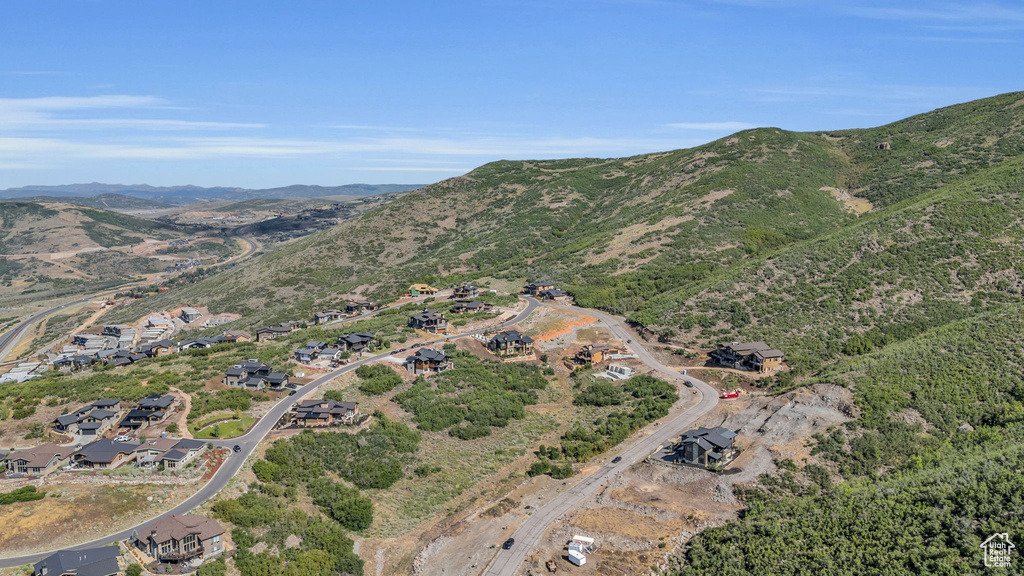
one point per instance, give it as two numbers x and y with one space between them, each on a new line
732 393
551 566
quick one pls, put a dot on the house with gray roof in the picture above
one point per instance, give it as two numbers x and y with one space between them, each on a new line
510 344
707 447
104 454
428 360
87 562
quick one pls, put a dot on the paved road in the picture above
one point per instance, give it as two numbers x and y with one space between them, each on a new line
529 534
248 444
11 338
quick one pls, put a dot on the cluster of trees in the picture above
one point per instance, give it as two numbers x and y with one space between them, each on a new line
24 494
647 399
372 458
471 398
377 379
325 547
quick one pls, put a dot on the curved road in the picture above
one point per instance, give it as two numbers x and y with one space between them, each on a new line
248 443
530 532
11 338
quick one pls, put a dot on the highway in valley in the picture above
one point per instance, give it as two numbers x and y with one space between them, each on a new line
249 442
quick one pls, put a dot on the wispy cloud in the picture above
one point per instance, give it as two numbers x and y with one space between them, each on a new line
58 113
711 125
964 16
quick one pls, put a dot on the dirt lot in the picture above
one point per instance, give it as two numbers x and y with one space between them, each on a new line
73 513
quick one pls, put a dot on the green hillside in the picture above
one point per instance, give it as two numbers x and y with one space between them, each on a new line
621 233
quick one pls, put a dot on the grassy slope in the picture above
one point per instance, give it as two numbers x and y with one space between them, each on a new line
620 232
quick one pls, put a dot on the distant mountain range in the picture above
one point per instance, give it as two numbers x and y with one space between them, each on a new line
182 195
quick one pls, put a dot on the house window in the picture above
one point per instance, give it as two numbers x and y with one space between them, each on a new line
215 539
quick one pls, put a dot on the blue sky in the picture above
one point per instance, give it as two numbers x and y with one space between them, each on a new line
261 94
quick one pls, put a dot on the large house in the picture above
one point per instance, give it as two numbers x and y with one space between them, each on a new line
595 353
156 403
553 294
104 454
271 332
707 447
356 342
510 343
155 349
136 418
756 356
233 336
254 375
37 461
180 538
171 453
311 413
465 291
325 316
422 289
428 360
535 288
472 306
100 561
357 306
429 321
102 412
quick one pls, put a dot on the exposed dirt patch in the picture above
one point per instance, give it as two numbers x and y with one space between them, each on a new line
853 203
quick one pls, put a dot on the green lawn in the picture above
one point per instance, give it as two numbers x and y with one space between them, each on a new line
229 429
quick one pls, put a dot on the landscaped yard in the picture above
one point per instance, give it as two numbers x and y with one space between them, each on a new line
216 427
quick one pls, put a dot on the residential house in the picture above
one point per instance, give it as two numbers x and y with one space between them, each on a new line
96 422
756 356
553 294
233 336
706 447
199 343
306 354
595 353
465 291
330 354
325 316
271 332
357 306
104 454
156 402
510 343
276 380
181 538
429 321
156 349
171 453
428 360
37 461
472 306
356 342
235 375
310 413
422 289
103 412
136 418
535 288
73 363
189 315
100 561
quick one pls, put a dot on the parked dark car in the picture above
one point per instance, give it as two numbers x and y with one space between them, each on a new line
688 384
508 543
617 459
237 448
